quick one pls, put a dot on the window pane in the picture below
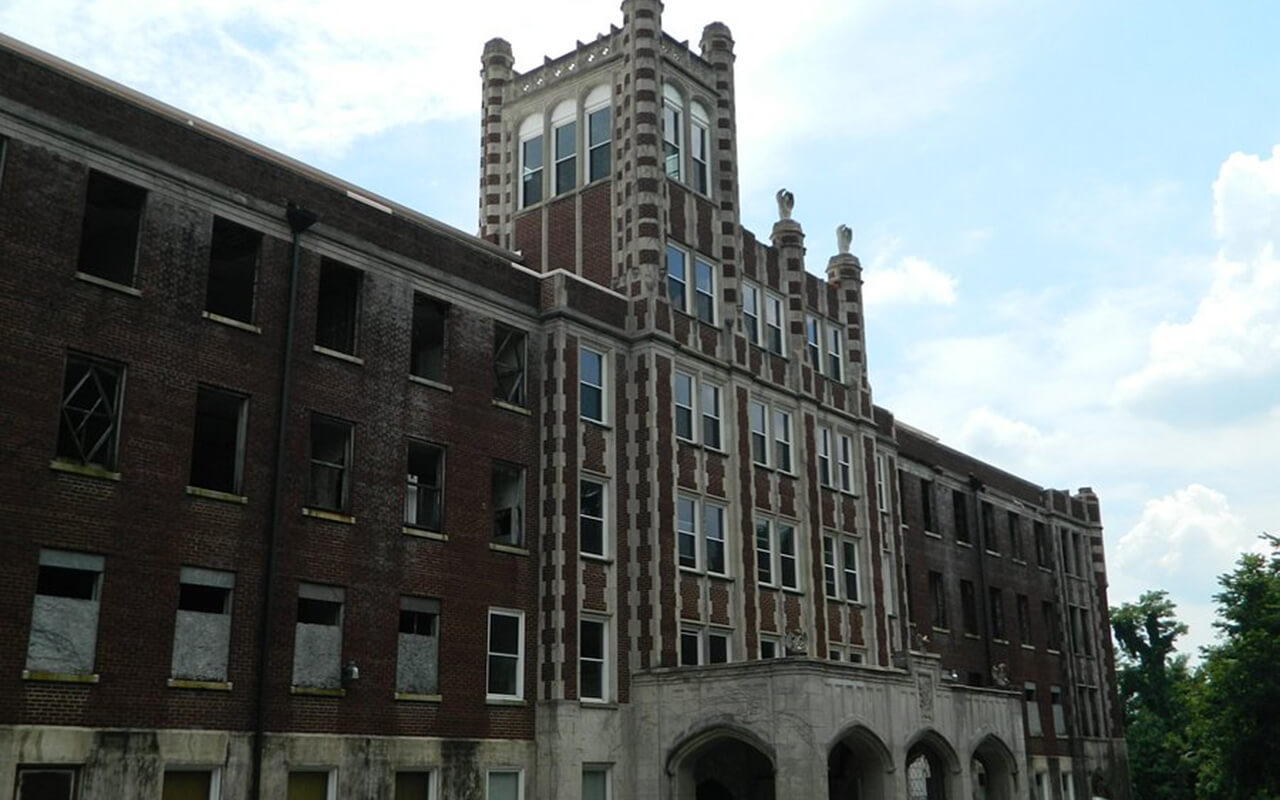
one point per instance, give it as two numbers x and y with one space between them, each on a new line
504 786
504 634
186 785
413 786
594 784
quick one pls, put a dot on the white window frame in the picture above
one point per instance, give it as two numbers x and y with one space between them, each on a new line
488 779
773 642
672 133
696 634
688 408
603 519
791 558
825 473
727 636
695 529
707 539
782 440
699 144
830 567
751 312
704 266
599 100
585 352
565 116
603 769
835 353
679 299
709 397
844 459
760 432
766 575
775 339
882 493
530 130
602 661
850 544
519 655
813 342
687 529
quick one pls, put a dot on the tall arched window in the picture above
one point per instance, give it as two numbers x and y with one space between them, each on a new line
699 147
672 125
598 113
564 133
531 161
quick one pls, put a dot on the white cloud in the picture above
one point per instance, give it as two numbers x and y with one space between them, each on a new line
1234 332
1190 532
911 281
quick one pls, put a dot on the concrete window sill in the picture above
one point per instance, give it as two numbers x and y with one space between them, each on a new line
444 387
350 359
214 494
210 686
423 533
515 702
86 470
59 677
316 691
507 548
512 407
106 284
231 323
330 516
414 697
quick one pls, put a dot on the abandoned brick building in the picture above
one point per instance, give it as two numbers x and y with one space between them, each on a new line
307 495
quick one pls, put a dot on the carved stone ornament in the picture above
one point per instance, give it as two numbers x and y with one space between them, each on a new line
797 643
786 202
1000 675
844 239
924 688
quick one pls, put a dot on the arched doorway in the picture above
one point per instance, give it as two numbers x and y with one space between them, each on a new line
931 764
993 771
857 765
723 765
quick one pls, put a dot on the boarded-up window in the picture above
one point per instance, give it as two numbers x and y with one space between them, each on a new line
202 626
417 659
317 646
64 614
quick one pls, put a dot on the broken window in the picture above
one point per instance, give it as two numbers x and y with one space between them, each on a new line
418 643
338 307
989 540
690 649
1042 543
960 515
1015 535
506 654
424 498
995 598
90 418
426 359
233 268
329 486
508 364
64 613
938 596
191 784
317 646
217 448
109 236
47 783
508 504
202 627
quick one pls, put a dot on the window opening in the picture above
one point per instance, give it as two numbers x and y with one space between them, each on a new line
969 607
824 456
671 138
751 312
217 448
330 459
713 530
591 517
109 234
508 504
233 267
687 531
811 343
566 139
773 323
591 384
338 307
787 556
591 660
684 406
530 171
506 654
677 279
426 356
711 415
598 134
764 552
846 464
849 553
704 291
759 433
829 567
424 494
835 353
782 439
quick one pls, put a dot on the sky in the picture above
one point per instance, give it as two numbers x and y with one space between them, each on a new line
1068 213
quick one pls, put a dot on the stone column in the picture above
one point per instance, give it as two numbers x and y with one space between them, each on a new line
496 74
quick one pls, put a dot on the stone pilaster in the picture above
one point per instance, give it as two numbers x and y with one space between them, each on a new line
496 73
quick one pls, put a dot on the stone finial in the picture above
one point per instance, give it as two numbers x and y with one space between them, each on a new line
1000 675
797 643
844 239
786 202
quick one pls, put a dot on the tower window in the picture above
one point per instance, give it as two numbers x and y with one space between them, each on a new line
566 138
530 171
671 138
598 135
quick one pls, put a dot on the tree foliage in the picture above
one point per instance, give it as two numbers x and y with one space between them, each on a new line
1212 733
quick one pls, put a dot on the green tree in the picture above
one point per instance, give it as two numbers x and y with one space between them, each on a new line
1155 689
1238 720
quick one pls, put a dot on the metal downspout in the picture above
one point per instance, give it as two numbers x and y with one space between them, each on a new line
299 221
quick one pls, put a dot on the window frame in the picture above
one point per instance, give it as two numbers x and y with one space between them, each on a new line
232 228
115 415
782 440
775 333
707 540
345 467
764 548
587 389
531 140
519 655
835 353
421 300
420 605
109 183
516 538
751 319
844 461
516 341
672 133
602 520
825 473
415 486
939 615
239 447
711 415
969 608
758 412
592 145
699 142
830 567
788 556
601 663
850 576
687 531
703 303
604 770
677 285
558 158
332 267
488 781
813 342
688 408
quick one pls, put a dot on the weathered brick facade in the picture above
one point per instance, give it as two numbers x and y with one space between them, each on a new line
767 591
